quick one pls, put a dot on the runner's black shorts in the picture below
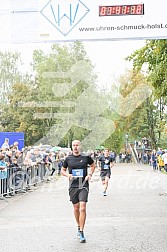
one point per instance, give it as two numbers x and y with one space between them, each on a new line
77 195
104 174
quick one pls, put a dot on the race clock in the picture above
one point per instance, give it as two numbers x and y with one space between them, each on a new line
121 10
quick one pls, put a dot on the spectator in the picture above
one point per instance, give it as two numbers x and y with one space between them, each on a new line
128 157
160 161
149 158
27 160
154 160
96 157
16 146
139 157
3 174
36 156
120 157
19 156
17 176
5 145
139 144
47 161
8 157
123 157
54 163
144 158
60 162
143 147
164 158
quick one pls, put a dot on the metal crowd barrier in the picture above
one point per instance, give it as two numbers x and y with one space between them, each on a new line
21 179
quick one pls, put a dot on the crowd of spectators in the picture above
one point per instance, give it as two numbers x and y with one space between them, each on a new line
97 154
144 143
155 158
29 161
122 157
159 160
125 157
13 160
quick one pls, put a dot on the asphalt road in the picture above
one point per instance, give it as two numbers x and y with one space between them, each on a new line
132 218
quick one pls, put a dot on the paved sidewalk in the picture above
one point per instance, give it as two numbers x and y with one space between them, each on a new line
132 218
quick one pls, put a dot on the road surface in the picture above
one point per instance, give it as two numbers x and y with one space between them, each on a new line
132 218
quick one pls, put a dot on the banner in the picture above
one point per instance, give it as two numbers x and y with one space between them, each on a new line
69 20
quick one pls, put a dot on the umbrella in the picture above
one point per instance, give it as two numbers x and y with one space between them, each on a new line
101 147
56 148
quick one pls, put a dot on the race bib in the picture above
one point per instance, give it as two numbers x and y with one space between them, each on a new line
106 167
77 173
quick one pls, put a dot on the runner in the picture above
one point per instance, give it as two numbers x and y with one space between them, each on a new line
79 177
105 164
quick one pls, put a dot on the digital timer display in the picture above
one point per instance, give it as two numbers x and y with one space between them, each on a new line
120 10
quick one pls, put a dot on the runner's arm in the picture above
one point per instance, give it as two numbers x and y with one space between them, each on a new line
65 173
111 164
92 169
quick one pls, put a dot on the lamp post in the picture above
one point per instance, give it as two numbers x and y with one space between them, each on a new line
126 142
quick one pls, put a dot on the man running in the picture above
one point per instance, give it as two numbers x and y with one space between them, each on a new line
79 177
106 162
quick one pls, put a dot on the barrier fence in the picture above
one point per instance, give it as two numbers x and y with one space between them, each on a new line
20 179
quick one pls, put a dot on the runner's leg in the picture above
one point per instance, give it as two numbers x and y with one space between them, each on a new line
77 212
82 216
106 183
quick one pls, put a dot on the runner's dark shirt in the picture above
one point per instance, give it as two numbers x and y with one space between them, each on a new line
105 163
78 164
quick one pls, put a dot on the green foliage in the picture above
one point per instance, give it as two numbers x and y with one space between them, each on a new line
143 121
16 115
60 59
24 107
9 73
154 56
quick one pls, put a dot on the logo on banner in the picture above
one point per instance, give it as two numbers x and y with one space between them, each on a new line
64 16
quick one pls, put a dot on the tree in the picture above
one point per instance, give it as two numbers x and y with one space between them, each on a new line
153 56
142 121
49 70
16 117
9 73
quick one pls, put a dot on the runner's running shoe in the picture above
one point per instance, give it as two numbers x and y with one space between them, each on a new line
78 234
104 194
82 237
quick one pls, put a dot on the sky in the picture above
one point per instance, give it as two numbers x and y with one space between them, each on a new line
108 57
22 21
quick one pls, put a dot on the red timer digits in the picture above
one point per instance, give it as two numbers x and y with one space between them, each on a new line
135 9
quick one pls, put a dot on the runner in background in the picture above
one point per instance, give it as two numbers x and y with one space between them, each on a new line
106 162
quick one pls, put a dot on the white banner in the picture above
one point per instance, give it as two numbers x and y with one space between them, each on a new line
69 20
